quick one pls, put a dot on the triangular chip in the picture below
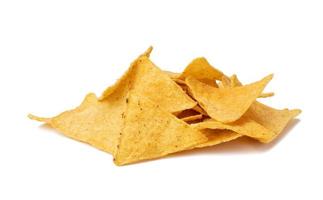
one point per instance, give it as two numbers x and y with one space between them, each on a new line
192 118
226 104
94 122
234 82
147 79
266 94
150 132
201 69
244 126
273 119
216 137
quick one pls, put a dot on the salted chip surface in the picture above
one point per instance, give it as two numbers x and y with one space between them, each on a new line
226 104
146 78
151 132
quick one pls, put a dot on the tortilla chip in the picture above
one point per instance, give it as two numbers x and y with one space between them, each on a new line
234 82
93 122
192 118
244 126
265 95
200 69
216 137
226 104
225 82
150 132
145 78
273 119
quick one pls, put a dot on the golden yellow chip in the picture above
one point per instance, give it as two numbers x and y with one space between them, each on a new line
244 126
234 82
273 119
201 69
216 137
192 118
147 79
149 113
265 95
150 132
93 122
226 104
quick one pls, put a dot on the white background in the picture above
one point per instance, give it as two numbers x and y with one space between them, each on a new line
54 52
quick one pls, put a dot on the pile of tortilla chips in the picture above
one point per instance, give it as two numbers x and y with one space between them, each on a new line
149 113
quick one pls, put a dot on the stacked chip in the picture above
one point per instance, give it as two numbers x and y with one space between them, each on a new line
149 113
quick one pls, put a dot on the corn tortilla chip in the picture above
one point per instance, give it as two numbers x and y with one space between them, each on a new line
265 95
192 118
273 119
226 104
150 132
216 137
234 82
147 79
201 69
244 126
93 122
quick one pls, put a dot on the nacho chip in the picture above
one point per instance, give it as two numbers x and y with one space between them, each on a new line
244 126
234 82
273 119
150 132
192 118
265 95
216 137
149 113
147 79
226 104
225 82
200 69
93 122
